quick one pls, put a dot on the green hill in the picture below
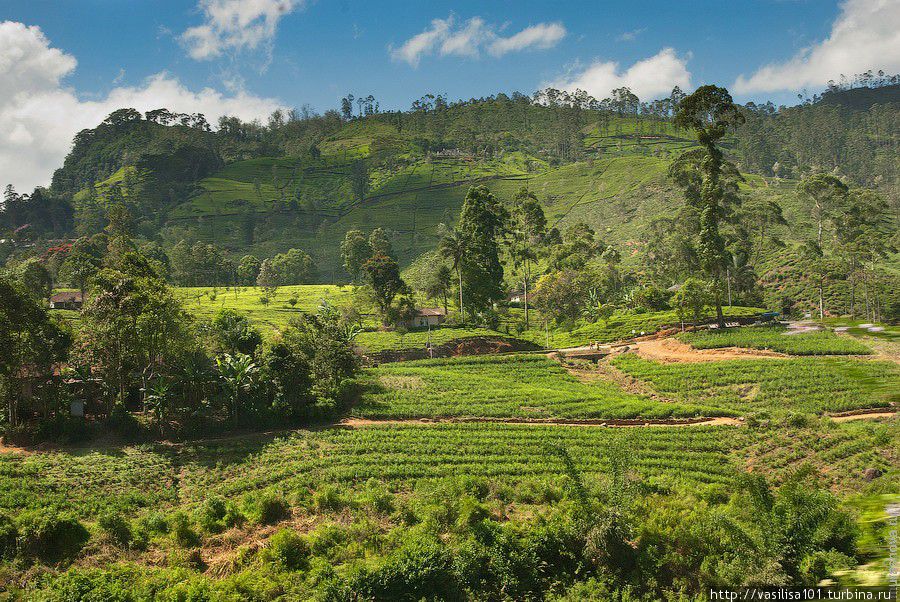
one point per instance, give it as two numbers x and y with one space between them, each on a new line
304 183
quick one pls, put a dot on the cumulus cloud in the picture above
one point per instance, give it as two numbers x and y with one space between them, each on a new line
235 25
649 78
39 115
866 35
473 36
541 37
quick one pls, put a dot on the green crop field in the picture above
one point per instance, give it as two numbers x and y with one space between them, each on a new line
777 338
209 516
512 386
148 479
374 341
771 387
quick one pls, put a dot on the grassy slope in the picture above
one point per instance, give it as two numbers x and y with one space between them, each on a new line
204 302
618 190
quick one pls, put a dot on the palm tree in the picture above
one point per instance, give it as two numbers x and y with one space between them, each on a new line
237 373
454 245
739 271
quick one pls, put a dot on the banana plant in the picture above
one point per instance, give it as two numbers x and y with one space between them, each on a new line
238 373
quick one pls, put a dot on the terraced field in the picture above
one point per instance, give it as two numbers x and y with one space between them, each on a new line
777 338
771 387
513 386
207 514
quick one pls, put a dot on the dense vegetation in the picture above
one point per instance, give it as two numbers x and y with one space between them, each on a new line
302 181
201 256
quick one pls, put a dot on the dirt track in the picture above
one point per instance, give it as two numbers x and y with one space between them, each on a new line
670 351
866 414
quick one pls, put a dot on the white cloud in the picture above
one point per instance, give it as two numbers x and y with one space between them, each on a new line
467 40
630 36
235 25
540 36
422 43
39 115
866 35
649 78
472 37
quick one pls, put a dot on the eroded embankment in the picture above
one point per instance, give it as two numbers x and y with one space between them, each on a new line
481 345
599 422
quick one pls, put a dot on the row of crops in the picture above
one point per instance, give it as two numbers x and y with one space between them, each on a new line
524 386
777 338
406 454
776 387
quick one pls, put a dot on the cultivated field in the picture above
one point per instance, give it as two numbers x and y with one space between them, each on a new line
207 514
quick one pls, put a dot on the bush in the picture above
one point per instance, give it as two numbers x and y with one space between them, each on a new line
265 508
378 497
328 498
51 537
216 515
155 523
8 536
116 527
288 549
422 569
182 531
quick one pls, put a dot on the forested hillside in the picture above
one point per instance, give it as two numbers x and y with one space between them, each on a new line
303 180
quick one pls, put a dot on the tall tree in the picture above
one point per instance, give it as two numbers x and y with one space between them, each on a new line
482 221
827 193
355 252
454 246
381 243
31 342
384 276
710 112
528 228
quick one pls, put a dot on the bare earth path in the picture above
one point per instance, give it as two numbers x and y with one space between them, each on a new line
669 351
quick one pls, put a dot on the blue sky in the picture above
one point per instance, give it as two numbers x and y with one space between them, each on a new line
249 56
327 48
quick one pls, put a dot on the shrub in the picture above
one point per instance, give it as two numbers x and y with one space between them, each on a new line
51 537
155 523
265 508
288 549
216 515
329 497
378 497
116 527
8 536
183 532
422 569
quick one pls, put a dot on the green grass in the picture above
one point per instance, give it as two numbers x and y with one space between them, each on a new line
87 482
203 302
523 386
771 387
776 338
374 341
